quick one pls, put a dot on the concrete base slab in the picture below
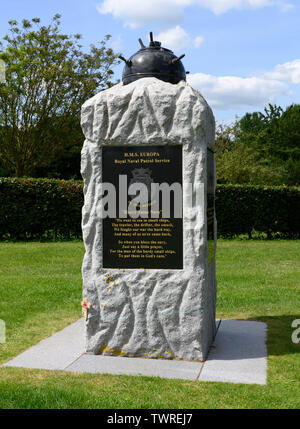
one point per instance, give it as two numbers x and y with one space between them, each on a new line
238 355
55 352
136 366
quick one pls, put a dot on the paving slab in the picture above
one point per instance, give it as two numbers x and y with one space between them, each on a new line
238 355
55 352
136 366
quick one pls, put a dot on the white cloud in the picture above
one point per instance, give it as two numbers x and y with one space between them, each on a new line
176 39
232 92
222 6
287 72
285 7
138 12
198 41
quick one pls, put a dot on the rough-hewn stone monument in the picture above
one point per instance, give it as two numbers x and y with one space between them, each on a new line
149 280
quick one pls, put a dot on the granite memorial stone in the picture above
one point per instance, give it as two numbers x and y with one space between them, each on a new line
149 268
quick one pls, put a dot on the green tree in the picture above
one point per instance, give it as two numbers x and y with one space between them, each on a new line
264 148
242 165
224 138
48 77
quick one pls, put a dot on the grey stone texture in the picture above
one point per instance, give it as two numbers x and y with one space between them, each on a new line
150 313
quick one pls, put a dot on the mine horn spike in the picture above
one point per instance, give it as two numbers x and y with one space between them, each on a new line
151 37
141 43
128 62
175 60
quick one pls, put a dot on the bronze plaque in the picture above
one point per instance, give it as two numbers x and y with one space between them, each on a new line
151 240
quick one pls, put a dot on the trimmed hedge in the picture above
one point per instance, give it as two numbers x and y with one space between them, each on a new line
40 208
244 209
51 209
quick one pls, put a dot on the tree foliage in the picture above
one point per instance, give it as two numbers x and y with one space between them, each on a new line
261 148
48 77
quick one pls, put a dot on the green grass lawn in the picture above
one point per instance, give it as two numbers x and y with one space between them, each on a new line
40 289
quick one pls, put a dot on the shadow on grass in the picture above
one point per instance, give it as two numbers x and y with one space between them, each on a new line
279 334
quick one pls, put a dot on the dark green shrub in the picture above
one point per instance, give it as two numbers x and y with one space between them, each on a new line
244 209
40 208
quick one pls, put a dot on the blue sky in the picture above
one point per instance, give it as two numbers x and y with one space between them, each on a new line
241 54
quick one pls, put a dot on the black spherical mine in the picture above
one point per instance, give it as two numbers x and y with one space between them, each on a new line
153 61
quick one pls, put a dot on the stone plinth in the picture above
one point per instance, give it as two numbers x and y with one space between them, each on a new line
156 313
